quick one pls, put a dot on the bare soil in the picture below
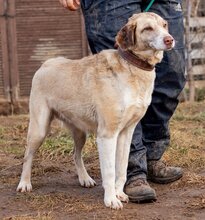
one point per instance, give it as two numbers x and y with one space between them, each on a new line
58 195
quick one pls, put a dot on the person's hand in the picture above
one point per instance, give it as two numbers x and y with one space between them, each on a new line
70 4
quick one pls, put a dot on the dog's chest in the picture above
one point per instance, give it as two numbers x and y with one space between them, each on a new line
135 103
128 98
136 96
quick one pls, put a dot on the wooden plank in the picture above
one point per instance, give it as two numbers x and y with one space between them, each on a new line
1 54
4 47
196 22
197 37
44 30
83 37
200 84
13 58
197 53
189 59
199 69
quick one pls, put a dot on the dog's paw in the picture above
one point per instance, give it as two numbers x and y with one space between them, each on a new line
87 182
122 197
24 187
113 203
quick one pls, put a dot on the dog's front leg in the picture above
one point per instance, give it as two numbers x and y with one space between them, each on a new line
107 150
122 154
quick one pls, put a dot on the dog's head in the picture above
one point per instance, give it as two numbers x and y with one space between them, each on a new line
145 31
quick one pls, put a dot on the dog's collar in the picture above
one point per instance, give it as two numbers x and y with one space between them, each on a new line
135 60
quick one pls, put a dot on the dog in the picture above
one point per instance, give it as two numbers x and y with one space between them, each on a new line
107 93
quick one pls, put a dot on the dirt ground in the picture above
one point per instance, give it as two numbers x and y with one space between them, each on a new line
58 195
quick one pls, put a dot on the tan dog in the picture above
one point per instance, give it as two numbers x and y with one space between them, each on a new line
107 93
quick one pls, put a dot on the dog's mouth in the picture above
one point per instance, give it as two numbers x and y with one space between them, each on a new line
162 46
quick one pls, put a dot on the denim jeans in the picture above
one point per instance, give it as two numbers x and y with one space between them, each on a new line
103 19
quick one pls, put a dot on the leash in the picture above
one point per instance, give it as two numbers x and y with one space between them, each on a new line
149 6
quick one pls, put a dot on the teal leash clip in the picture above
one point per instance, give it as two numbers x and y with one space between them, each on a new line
149 6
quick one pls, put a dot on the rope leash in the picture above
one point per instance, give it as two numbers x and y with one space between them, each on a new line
149 6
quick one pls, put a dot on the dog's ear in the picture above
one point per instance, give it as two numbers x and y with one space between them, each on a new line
126 37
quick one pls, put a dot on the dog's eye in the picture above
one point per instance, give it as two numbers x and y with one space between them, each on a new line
148 29
165 25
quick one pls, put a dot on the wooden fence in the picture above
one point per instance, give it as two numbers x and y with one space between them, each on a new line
195 46
32 31
197 53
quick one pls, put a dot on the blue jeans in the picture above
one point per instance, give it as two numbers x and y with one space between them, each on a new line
103 19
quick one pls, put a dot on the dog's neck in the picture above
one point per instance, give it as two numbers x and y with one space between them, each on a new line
151 56
145 60
135 60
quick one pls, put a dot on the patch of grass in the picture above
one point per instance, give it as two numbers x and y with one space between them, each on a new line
183 116
16 150
39 216
187 148
61 144
187 128
2 131
13 138
2 136
90 146
200 94
58 145
59 201
43 202
200 117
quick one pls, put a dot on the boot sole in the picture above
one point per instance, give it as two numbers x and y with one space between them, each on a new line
143 199
164 180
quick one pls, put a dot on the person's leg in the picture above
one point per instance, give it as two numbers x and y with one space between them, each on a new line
169 83
137 164
103 19
137 187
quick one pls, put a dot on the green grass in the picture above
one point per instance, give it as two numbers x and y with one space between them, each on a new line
62 145
16 150
58 145
188 137
183 116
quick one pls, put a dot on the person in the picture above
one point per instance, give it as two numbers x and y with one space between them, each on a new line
103 19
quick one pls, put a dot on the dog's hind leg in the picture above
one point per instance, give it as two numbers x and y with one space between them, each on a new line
122 154
79 140
39 121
